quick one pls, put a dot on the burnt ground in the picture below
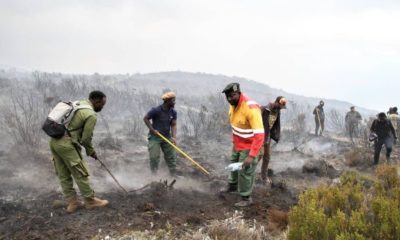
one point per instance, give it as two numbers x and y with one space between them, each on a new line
35 214
153 208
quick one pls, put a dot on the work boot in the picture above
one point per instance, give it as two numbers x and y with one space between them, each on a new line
245 202
94 202
175 174
74 204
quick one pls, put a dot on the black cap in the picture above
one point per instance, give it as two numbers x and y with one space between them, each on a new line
232 87
382 115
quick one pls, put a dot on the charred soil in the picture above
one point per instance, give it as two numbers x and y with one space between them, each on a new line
152 208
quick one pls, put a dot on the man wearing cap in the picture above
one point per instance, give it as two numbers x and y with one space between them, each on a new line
386 134
319 118
163 121
271 117
248 137
352 121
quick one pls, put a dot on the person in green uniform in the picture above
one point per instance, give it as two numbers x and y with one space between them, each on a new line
67 157
352 120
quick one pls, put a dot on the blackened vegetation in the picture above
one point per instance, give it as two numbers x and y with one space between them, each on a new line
31 206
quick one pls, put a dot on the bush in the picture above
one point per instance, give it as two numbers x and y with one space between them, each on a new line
134 129
207 123
357 208
359 157
21 118
336 121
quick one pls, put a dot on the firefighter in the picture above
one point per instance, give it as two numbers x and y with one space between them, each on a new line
319 118
248 137
271 115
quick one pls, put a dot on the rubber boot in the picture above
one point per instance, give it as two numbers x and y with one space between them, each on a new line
93 202
74 204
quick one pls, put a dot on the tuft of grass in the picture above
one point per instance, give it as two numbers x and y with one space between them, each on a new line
358 157
234 227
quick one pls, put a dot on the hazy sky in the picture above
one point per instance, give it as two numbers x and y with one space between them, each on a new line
344 49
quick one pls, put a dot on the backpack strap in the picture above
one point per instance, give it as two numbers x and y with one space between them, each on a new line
76 109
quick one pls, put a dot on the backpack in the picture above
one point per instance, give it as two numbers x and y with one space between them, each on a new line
60 116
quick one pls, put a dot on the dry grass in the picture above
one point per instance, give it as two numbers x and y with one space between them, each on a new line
278 220
234 227
353 158
358 157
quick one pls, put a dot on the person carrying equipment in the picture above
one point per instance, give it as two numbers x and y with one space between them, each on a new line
271 116
386 135
67 157
319 118
248 137
163 121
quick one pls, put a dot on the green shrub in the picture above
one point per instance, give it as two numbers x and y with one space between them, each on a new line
357 208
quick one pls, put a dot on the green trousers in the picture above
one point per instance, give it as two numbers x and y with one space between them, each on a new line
156 144
69 166
245 177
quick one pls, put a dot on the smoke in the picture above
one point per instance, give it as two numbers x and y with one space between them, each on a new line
26 168
319 146
281 161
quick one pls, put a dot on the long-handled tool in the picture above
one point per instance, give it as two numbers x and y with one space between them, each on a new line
319 121
184 154
112 175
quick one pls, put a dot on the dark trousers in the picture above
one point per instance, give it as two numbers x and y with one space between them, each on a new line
266 157
388 142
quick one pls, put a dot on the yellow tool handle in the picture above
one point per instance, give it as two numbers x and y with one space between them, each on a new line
184 154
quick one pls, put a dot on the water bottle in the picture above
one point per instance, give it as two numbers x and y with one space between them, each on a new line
234 166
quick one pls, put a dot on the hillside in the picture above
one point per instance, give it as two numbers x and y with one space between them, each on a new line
195 84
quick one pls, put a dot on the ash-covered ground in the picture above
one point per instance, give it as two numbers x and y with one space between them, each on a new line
32 207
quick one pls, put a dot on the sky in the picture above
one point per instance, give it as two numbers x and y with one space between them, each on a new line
344 49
